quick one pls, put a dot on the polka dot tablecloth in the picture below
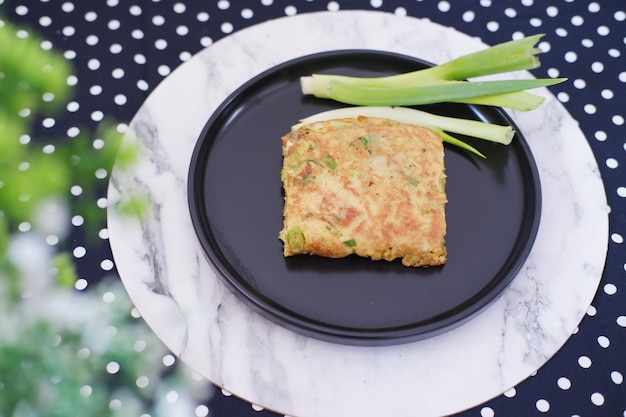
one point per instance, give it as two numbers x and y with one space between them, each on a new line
121 50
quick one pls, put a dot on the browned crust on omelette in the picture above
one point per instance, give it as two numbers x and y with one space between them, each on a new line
368 186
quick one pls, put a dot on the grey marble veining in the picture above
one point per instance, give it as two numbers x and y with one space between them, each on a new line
172 285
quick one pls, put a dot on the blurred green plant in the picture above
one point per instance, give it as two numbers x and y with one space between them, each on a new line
65 352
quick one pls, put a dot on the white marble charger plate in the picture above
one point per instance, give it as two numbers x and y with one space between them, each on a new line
174 288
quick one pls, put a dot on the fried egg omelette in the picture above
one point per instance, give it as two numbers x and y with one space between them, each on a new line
366 186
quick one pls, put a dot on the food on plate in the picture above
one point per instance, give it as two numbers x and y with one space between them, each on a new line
368 186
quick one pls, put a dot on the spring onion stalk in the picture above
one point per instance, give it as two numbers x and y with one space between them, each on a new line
440 124
481 130
427 94
445 82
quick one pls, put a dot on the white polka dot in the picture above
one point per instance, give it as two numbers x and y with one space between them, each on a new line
97 116
108 297
591 311
563 97
607 94
163 70
561 32
139 59
168 360
604 341
610 289
45 21
590 109
617 120
81 284
580 84
597 399
95 90
46 45
621 320
332 6
135 10
92 40
617 377
620 15
202 16
112 367
142 381
603 30
564 383
584 362
142 85
493 26
79 252
137 34
600 135
469 16
21 10
184 56
114 24
535 22
487 412
223 4
76 190
116 48
616 237
182 30
93 64
68 31
52 240
120 99
179 8
510 393
552 11
78 220
202 411
443 6
597 67
206 41
256 407
542 405
291 10
48 122
593 7
106 264
118 73
570 56
587 43
614 53
247 13
160 44
226 27
85 391
577 20
158 20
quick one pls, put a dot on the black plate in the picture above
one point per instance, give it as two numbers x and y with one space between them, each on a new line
236 202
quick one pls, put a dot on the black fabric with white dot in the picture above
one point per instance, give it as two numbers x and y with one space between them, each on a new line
121 50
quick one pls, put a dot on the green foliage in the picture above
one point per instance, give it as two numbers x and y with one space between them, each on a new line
63 352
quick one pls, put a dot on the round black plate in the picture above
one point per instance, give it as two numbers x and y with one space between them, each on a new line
236 202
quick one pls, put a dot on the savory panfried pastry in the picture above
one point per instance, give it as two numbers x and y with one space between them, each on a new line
366 186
